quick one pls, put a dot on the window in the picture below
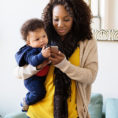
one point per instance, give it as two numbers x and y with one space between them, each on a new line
95 8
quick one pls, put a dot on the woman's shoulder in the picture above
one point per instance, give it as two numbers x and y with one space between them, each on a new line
86 42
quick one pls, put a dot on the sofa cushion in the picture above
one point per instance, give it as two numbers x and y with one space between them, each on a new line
95 106
16 115
112 108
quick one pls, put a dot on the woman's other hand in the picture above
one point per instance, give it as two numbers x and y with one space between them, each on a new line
46 62
56 57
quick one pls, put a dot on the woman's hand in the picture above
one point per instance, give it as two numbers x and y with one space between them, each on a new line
42 65
56 57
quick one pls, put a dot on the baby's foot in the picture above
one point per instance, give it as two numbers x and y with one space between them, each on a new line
24 106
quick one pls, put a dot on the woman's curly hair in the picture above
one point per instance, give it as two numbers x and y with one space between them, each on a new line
81 14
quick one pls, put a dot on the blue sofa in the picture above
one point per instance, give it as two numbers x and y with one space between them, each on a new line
112 108
95 108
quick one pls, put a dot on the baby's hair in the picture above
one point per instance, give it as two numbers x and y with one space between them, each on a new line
31 25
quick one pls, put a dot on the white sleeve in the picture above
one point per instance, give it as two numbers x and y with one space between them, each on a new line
25 71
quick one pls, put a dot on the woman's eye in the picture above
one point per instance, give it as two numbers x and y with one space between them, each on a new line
67 20
56 20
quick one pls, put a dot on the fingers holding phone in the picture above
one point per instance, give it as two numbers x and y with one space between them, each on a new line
56 55
54 49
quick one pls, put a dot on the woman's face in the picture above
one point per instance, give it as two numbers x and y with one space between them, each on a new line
62 21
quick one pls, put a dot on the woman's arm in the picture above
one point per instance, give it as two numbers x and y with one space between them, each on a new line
86 72
28 70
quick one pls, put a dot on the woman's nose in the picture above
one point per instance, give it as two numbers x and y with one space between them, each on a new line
60 24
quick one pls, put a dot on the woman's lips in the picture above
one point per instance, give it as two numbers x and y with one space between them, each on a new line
61 30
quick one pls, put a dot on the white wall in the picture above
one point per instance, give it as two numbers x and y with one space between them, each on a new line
13 13
107 78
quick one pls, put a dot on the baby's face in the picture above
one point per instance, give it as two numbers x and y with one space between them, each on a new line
37 38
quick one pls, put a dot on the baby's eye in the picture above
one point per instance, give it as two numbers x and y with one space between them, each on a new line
44 36
37 39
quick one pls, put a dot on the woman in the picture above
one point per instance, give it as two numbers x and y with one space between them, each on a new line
73 68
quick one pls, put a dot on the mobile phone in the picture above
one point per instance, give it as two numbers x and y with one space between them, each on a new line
54 48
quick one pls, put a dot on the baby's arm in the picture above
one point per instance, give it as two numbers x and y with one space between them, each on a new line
36 59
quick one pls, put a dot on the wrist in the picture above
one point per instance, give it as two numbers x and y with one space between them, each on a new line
62 63
39 67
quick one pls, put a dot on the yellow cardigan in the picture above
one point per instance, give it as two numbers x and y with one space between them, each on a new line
44 108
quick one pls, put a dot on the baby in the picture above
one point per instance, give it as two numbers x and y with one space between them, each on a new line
34 53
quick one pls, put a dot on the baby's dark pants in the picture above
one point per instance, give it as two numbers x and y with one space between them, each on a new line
36 88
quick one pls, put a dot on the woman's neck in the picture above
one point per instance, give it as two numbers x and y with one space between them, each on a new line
62 38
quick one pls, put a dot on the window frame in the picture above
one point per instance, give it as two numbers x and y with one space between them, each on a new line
98 16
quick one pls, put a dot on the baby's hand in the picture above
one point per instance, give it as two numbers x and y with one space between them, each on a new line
46 52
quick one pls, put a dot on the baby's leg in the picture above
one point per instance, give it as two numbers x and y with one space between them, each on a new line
36 88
